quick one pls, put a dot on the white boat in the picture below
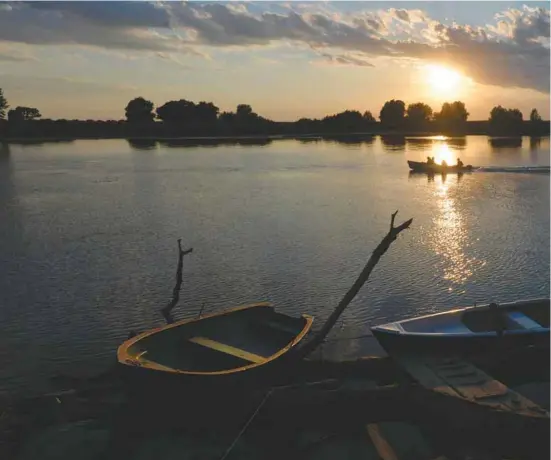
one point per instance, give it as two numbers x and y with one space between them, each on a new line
470 329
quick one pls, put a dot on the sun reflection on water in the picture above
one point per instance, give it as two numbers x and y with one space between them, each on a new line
451 237
441 152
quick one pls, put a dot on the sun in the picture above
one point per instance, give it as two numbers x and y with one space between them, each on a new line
442 79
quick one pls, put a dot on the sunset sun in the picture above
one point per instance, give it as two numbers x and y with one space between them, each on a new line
442 79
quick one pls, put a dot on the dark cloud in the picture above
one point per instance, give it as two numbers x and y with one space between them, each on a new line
110 13
514 52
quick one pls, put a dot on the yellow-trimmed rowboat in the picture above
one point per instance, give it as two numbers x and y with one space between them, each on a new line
237 341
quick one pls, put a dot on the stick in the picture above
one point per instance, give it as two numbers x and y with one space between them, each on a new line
176 291
379 251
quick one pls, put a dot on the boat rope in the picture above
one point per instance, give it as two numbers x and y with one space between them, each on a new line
246 425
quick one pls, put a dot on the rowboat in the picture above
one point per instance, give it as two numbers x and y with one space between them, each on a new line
471 329
238 342
421 167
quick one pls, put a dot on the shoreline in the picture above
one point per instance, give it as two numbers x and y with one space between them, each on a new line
265 137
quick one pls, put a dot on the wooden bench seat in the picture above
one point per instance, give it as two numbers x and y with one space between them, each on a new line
228 349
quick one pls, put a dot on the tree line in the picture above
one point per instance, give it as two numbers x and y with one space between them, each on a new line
183 117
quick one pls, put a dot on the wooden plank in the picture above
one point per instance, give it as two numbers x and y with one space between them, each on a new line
228 349
384 449
464 380
423 374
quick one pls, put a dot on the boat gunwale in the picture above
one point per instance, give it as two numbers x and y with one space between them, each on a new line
124 358
400 330
425 168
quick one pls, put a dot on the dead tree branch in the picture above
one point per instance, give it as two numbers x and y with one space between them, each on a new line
379 251
178 286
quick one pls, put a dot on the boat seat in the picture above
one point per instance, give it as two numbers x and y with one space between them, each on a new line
523 320
280 327
228 349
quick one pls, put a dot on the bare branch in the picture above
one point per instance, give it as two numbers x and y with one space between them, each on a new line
392 219
178 286
355 288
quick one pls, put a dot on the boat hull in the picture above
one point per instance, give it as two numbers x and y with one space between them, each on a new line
470 330
226 352
425 168
461 346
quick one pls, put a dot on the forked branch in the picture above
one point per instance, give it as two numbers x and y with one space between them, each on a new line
178 286
362 279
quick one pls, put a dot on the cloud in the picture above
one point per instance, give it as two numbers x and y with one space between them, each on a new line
15 53
512 52
344 59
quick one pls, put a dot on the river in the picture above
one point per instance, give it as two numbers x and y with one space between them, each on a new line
89 228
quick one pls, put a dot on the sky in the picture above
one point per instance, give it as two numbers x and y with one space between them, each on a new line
288 60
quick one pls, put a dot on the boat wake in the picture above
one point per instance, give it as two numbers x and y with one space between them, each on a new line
515 169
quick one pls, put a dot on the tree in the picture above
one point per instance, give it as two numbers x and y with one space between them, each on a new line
347 121
177 112
368 117
227 117
139 110
393 113
20 114
206 112
3 105
452 113
502 115
244 111
419 113
535 116
505 120
452 116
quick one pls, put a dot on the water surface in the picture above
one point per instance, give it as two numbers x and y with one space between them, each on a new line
89 230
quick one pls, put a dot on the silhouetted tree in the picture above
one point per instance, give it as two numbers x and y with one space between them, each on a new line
452 113
245 121
418 114
20 114
393 113
3 105
177 112
535 116
347 121
244 111
227 117
368 117
507 121
452 117
206 113
139 110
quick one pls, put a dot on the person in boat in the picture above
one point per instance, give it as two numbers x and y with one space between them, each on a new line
459 163
444 164
430 161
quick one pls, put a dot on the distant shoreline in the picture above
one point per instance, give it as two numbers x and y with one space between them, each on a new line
65 130
256 137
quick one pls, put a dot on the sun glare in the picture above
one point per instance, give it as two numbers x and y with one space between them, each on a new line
442 79
441 152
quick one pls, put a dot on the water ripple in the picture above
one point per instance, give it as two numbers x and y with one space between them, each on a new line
89 254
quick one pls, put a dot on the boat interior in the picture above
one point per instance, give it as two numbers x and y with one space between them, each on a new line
519 316
533 315
222 342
